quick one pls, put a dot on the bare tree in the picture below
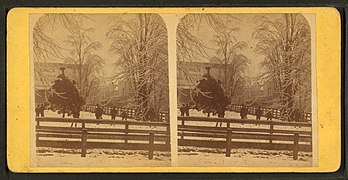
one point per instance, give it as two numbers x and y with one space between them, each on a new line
285 43
233 62
191 47
225 44
46 47
87 63
141 46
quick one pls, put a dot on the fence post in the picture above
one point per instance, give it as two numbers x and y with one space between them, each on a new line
37 138
228 142
310 142
83 125
182 131
84 142
271 132
168 134
37 122
126 132
151 144
296 140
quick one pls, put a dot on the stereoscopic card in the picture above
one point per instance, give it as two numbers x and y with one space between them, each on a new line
173 90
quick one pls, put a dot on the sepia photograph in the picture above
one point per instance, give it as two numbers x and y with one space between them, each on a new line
173 90
100 93
101 90
244 90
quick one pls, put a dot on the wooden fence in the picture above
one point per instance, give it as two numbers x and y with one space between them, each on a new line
305 117
161 116
192 131
130 135
240 133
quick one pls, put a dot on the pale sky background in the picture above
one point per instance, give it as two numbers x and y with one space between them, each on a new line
101 23
247 24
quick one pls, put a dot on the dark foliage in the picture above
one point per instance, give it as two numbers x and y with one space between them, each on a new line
210 96
64 96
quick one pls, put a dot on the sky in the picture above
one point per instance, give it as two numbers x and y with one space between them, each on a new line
100 24
246 24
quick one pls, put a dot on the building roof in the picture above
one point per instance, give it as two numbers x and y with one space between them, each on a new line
46 72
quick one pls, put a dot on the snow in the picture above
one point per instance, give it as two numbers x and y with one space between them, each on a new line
188 157
209 157
59 157
83 115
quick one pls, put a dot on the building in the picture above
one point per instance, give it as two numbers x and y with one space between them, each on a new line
45 73
258 93
115 93
189 73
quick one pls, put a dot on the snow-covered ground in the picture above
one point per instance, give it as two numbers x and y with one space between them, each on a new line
188 157
83 115
211 157
59 157
228 114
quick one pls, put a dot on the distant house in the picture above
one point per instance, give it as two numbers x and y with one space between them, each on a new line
264 93
44 75
260 93
189 73
115 93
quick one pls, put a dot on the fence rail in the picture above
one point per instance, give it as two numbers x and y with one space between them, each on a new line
305 117
192 131
262 134
132 135
160 116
